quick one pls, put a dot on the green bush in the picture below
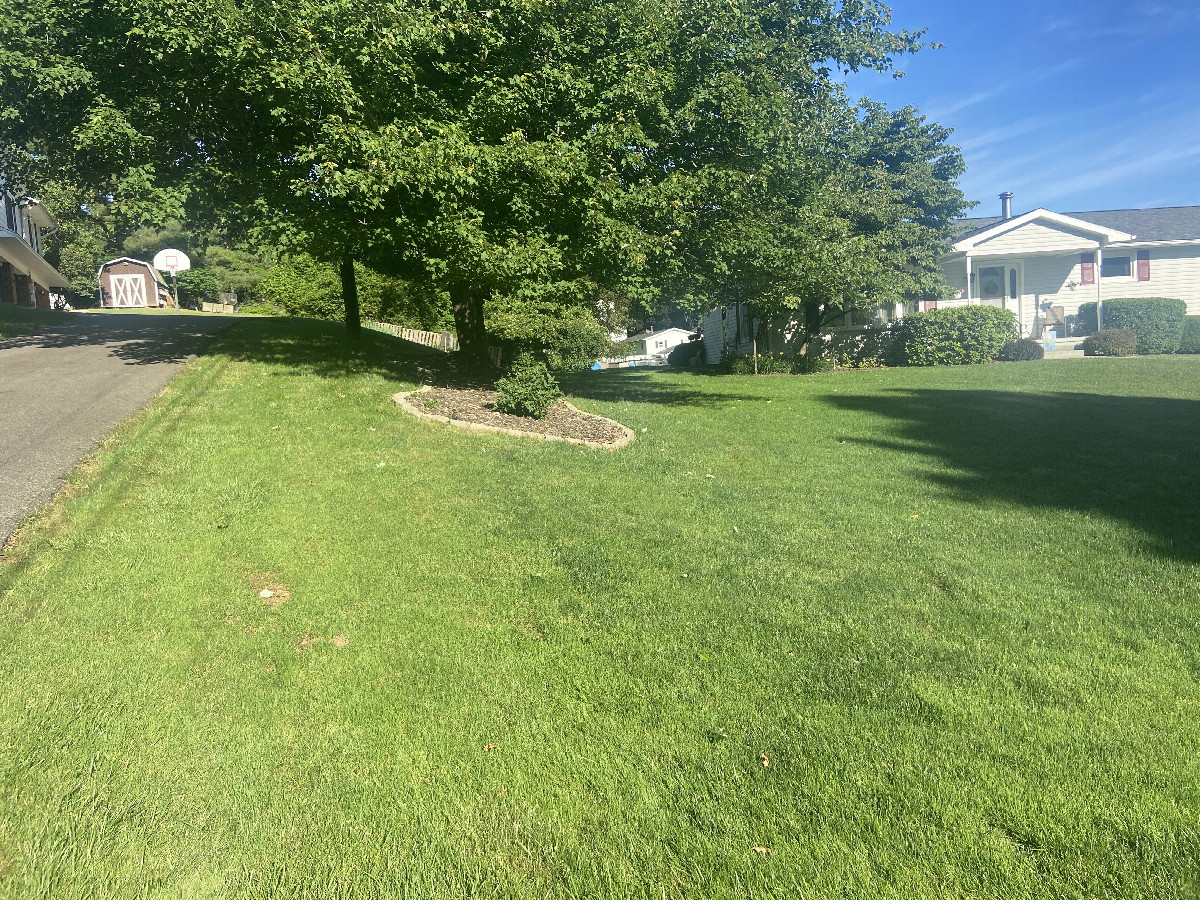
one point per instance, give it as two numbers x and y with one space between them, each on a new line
952 337
1085 320
804 364
302 286
568 337
859 348
1190 341
1022 350
528 390
689 353
768 364
1157 321
1110 342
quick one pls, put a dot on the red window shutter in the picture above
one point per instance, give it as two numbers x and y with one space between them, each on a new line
1087 268
1143 269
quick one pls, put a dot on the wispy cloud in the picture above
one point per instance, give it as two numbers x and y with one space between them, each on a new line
1158 142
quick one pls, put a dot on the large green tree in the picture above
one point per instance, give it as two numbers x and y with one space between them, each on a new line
523 159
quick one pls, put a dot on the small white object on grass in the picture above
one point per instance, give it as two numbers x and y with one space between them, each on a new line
380 465
266 593
710 476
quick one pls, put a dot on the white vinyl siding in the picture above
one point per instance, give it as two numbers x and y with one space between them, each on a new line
1033 237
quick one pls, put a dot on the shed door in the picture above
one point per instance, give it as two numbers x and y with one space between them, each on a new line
129 290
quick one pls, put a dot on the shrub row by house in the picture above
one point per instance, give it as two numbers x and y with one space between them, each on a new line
1190 340
952 337
1157 322
1111 342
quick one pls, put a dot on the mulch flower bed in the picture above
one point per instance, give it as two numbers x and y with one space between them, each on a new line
476 405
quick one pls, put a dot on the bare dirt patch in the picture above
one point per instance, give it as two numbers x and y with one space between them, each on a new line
307 642
476 405
339 641
271 592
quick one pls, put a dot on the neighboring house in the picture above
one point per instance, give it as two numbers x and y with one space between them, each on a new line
1042 264
650 348
25 277
127 282
658 343
733 330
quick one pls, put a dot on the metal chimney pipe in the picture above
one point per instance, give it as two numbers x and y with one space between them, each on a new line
1006 205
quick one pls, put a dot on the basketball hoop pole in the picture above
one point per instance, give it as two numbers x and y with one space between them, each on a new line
175 289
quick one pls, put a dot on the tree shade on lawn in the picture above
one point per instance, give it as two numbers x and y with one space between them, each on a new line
952 611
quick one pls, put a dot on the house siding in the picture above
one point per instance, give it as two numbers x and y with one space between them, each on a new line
1035 238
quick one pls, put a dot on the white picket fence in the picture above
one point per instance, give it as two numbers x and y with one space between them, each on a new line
439 340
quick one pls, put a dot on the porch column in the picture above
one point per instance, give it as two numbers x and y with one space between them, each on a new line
969 291
1099 289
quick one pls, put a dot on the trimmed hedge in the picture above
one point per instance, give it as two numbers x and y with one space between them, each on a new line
1111 342
1085 320
1022 350
952 337
1157 321
1190 341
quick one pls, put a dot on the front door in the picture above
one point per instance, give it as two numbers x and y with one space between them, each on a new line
129 290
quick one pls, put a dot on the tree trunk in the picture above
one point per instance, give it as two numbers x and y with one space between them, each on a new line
350 297
468 321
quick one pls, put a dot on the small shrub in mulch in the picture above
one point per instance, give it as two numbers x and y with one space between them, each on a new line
528 390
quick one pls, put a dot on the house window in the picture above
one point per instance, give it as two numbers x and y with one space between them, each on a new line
658 345
1115 267
991 283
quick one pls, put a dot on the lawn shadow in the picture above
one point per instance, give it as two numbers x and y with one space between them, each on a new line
1133 459
633 386
136 339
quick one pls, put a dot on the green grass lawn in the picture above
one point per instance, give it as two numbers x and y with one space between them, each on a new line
17 320
926 633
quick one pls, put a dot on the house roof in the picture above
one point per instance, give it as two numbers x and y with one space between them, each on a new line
645 336
1172 223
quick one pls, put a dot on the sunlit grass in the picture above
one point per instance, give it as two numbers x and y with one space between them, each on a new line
911 633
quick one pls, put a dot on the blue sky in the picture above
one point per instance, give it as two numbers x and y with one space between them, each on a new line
1070 104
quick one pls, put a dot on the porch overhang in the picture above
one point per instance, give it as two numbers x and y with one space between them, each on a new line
27 261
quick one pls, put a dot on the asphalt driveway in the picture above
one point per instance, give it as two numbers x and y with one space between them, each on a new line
63 389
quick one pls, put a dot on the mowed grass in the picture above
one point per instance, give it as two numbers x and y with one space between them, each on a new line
17 320
922 633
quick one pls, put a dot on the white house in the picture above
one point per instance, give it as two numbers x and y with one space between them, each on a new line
25 277
1043 264
650 348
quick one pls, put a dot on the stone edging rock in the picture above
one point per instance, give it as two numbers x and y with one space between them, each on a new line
627 435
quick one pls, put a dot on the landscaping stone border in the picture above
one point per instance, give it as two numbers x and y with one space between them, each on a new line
627 435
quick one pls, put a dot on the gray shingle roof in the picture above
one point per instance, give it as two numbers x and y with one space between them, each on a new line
1172 223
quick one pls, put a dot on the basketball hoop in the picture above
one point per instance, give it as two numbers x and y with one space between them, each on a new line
172 261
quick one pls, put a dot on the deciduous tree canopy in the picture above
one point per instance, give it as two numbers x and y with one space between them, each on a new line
521 158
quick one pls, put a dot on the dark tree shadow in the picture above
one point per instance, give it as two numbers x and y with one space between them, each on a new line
136 339
1134 459
635 386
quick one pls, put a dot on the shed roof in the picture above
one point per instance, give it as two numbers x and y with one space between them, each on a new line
137 262
1171 223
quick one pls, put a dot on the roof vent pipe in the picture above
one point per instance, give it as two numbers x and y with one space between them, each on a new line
1006 205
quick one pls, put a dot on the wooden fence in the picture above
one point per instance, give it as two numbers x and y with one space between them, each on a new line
439 340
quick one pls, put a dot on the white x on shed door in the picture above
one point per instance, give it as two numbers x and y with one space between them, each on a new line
129 290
